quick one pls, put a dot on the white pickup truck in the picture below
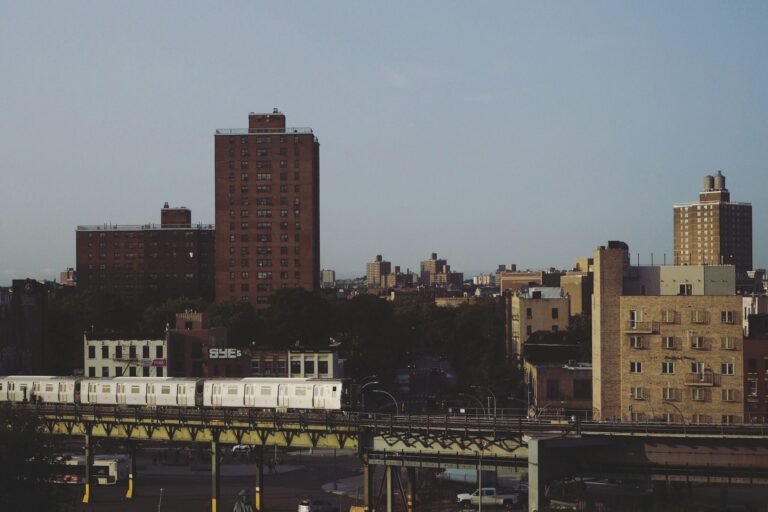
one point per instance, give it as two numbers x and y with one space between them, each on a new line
491 498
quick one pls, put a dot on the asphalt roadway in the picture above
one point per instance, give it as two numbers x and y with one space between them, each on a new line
186 484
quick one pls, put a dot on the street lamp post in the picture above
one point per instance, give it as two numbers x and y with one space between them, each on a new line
397 409
362 392
482 408
489 390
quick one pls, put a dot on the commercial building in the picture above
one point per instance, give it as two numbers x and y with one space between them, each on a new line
531 310
714 231
267 183
147 261
666 341
560 388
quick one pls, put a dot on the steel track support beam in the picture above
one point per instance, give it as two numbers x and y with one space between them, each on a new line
88 466
369 470
129 494
215 477
388 477
410 487
258 496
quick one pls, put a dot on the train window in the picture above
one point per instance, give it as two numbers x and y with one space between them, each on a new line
1 386
301 391
165 390
231 390
107 388
266 391
334 388
135 390
49 387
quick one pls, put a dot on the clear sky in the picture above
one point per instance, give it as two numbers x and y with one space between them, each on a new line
489 132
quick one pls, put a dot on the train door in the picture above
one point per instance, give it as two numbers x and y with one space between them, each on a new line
181 394
216 395
61 396
151 397
282 395
250 395
121 397
91 394
318 399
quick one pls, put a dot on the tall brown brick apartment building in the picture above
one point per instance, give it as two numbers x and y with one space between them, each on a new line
714 231
267 180
147 261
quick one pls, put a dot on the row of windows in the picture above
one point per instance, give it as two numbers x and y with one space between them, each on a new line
676 394
668 367
120 353
673 343
131 371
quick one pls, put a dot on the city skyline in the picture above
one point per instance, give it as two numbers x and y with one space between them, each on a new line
529 135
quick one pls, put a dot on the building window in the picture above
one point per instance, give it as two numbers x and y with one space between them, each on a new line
105 371
159 351
132 352
132 371
145 371
309 367
322 367
667 367
159 371
726 368
118 352
668 342
91 371
685 289
91 352
295 367
727 317
145 352
636 342
635 367
637 393
751 387
555 313
752 365
553 388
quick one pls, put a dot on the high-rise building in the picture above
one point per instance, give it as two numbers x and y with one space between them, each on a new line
714 231
147 261
376 271
267 180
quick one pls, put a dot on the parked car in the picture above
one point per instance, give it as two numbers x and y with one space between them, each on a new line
313 505
489 497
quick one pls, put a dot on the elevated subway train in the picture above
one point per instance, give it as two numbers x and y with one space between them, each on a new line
249 392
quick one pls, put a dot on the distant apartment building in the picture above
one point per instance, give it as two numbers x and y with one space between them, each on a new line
377 272
666 341
147 261
125 358
314 364
531 310
714 230
436 273
267 187
577 285
24 345
327 278
68 277
513 280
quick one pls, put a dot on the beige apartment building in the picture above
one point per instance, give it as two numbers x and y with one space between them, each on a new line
667 342
531 310
377 271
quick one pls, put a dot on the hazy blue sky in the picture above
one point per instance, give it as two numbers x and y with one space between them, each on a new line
489 132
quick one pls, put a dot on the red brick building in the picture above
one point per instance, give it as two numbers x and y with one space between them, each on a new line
148 261
756 380
267 180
